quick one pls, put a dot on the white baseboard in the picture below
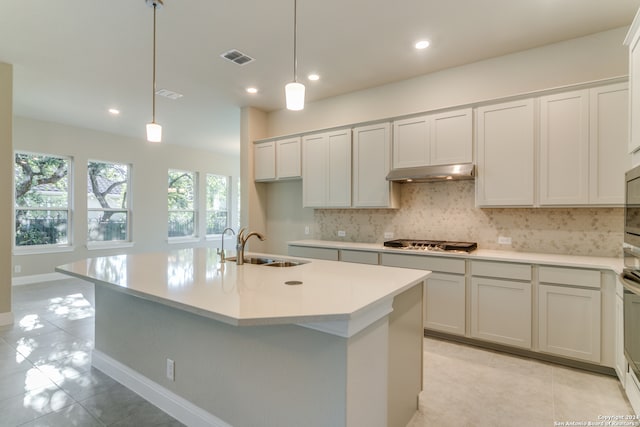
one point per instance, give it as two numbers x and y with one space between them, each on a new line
174 405
27 280
6 319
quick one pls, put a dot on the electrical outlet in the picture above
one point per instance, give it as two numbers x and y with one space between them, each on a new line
17 269
341 233
503 240
307 230
171 369
388 234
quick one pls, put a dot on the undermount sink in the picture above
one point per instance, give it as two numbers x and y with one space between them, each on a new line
269 262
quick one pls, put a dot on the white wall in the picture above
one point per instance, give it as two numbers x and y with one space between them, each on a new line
592 58
150 163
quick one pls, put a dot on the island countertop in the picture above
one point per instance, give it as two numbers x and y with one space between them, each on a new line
335 297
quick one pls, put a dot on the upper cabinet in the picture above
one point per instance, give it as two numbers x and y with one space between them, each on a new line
564 148
505 152
371 164
633 41
579 148
326 169
434 139
276 160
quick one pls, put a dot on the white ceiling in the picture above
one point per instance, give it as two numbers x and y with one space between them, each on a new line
73 59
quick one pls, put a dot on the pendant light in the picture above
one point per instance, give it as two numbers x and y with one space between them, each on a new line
294 91
154 130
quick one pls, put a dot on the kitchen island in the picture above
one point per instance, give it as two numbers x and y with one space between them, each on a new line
317 344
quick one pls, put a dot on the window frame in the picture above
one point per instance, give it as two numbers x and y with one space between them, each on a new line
102 244
48 247
196 233
229 204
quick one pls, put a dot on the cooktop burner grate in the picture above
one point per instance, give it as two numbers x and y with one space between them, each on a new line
432 245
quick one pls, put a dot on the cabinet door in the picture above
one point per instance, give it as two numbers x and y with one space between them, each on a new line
288 158
452 137
621 361
444 303
339 168
264 161
505 138
634 93
411 142
501 311
371 164
608 133
569 322
314 170
564 148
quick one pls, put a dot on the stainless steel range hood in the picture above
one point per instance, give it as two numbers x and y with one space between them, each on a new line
433 173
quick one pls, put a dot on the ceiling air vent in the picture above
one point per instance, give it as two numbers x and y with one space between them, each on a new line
237 57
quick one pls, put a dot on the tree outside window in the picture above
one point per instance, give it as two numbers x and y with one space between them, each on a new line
181 201
107 202
217 203
42 200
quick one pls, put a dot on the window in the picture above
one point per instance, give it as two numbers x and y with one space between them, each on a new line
42 200
182 203
217 203
108 202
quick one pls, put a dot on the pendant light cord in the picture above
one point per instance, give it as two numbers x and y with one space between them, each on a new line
153 91
295 38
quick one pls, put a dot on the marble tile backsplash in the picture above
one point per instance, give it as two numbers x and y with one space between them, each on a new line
446 211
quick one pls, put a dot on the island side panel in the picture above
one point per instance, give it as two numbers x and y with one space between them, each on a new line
406 337
260 375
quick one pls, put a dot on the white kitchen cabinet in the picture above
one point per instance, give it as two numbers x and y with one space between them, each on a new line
435 139
505 154
501 311
569 322
359 257
264 161
371 164
620 360
276 160
326 169
444 303
411 142
445 289
608 139
329 254
633 42
564 148
288 158
452 137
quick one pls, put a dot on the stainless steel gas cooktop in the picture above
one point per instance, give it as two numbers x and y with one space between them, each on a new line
432 245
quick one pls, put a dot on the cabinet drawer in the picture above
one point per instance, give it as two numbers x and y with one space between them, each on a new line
311 252
423 262
570 276
503 270
359 257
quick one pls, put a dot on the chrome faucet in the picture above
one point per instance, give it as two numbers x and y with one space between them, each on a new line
221 251
242 241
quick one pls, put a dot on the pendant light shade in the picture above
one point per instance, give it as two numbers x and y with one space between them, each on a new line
294 91
154 130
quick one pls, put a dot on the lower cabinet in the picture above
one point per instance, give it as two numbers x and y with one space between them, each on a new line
501 311
329 254
569 322
621 361
444 301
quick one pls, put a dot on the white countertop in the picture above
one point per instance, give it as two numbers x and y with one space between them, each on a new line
193 280
600 263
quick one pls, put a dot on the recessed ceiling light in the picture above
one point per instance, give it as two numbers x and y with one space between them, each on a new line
114 111
252 90
313 77
422 44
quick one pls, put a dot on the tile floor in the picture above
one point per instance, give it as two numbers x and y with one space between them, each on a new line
46 378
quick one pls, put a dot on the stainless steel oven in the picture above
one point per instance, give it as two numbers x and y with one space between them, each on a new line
631 273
